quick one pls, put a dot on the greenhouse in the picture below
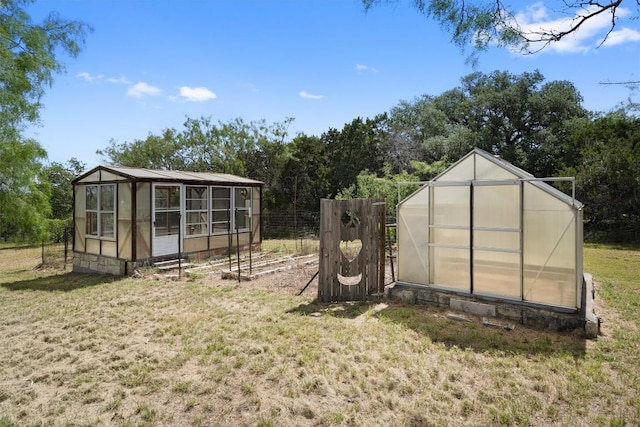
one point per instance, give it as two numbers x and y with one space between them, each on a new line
489 230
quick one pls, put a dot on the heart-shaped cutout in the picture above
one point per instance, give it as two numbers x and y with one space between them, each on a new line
351 248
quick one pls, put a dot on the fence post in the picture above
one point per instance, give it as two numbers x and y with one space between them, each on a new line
66 245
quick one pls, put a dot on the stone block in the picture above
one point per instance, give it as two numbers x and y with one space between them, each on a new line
511 313
476 308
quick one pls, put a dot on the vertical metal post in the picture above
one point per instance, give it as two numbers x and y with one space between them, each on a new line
250 244
521 240
471 237
66 246
180 246
238 243
229 235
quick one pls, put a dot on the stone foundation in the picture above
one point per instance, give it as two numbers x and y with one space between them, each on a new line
90 263
534 315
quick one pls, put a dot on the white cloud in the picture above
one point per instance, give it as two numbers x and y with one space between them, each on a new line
142 89
622 36
122 80
362 67
88 77
196 94
536 19
306 95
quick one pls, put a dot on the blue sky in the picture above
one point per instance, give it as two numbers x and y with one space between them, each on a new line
150 64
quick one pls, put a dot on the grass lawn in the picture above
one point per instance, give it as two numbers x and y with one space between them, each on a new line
95 350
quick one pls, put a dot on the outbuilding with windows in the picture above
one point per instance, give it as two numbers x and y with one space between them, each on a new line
127 217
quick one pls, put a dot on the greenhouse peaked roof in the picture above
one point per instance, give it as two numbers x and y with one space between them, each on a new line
519 173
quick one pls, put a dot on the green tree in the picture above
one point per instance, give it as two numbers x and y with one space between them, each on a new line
59 177
254 149
360 145
305 177
608 177
154 152
371 186
411 125
29 58
24 191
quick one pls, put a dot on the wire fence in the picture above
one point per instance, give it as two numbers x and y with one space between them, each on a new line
290 225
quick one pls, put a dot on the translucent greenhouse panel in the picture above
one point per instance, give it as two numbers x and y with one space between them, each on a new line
509 240
413 239
420 198
451 206
449 245
549 249
451 236
486 170
496 206
496 273
496 240
463 171
451 268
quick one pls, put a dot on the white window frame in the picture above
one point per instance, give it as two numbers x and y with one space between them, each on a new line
244 210
233 200
228 223
101 213
201 212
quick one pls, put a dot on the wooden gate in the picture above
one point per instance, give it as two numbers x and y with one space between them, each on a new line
351 249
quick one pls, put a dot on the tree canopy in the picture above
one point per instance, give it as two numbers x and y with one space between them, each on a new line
538 125
29 58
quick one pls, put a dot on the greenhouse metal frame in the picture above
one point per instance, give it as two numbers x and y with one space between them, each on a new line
491 230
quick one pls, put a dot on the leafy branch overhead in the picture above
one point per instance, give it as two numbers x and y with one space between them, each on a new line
481 23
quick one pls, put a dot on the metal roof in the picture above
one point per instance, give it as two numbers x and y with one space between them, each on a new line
170 175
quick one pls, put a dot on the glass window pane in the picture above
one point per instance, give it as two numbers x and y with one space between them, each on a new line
220 193
196 204
92 197
221 203
107 195
196 192
242 197
220 216
196 217
107 225
161 197
196 229
242 220
92 223
174 197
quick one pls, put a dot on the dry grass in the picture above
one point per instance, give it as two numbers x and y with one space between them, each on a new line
93 350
